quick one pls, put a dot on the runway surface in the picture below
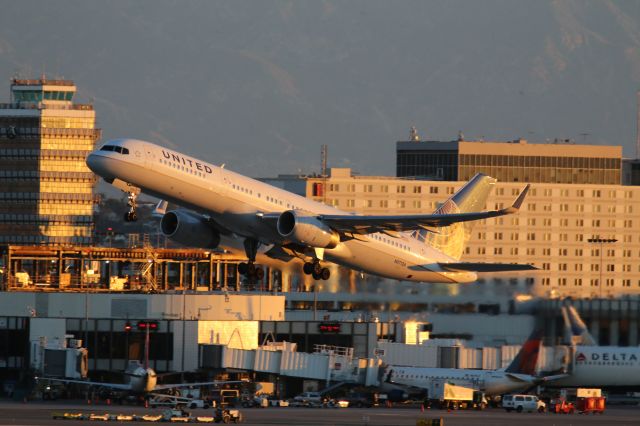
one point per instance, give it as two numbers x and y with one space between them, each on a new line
39 413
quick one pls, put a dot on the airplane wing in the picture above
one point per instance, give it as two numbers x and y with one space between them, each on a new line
486 267
196 384
119 386
366 224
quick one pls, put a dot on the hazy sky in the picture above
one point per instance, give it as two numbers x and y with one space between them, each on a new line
260 85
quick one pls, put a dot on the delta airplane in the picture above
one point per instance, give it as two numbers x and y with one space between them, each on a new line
220 205
518 376
597 366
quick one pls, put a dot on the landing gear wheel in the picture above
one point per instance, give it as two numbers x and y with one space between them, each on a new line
130 216
316 276
317 269
243 268
325 273
307 268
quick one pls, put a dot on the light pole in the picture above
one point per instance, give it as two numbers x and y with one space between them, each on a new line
601 242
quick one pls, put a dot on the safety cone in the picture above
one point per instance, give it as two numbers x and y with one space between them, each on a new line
146 403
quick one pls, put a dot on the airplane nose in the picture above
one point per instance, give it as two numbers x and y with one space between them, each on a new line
97 164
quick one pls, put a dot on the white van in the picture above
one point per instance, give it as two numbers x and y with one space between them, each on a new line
522 403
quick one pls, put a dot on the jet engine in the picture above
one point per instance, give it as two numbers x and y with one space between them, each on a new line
306 229
189 229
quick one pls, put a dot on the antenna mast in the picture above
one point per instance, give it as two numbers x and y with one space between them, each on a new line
323 166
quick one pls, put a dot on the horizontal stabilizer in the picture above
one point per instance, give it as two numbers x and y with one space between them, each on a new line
525 378
486 267
552 378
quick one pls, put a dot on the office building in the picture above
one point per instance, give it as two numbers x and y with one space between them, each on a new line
46 188
513 161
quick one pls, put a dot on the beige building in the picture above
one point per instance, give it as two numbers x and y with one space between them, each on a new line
552 230
45 186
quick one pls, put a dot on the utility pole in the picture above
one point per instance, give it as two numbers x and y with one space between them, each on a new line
601 242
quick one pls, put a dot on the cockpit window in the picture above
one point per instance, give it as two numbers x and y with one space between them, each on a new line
118 149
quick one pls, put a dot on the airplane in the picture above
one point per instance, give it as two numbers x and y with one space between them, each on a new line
138 380
591 365
220 206
518 376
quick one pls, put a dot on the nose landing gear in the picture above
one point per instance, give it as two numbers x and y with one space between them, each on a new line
131 215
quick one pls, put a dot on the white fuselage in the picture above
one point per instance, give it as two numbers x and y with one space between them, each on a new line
236 202
141 379
491 382
603 366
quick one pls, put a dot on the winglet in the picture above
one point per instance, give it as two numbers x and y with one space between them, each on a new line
518 202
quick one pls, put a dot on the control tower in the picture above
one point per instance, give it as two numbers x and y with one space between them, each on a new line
46 189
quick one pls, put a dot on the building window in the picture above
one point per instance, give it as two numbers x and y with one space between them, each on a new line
417 189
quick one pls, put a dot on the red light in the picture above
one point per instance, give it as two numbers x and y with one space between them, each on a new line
330 327
127 327
142 325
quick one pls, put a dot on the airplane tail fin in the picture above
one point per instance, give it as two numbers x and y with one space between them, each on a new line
452 239
576 331
526 360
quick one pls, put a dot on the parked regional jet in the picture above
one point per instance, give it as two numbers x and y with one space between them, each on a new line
138 380
224 204
591 365
518 376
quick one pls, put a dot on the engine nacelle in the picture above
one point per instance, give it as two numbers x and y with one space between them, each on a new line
305 229
189 229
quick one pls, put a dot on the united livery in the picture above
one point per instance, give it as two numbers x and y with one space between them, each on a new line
183 160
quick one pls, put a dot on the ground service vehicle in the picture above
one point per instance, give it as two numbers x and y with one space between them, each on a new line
226 415
522 403
590 404
446 395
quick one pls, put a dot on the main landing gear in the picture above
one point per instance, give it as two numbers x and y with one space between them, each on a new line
249 269
131 215
316 271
